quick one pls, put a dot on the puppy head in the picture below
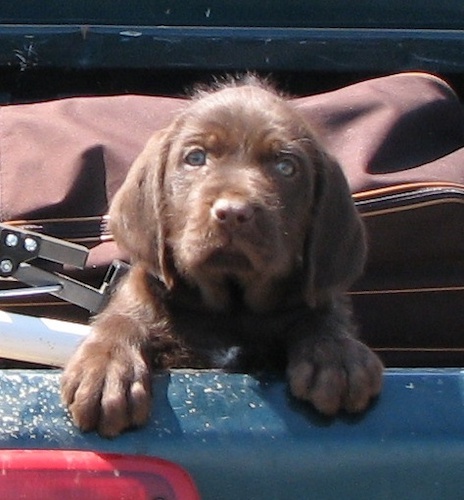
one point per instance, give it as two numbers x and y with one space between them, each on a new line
238 190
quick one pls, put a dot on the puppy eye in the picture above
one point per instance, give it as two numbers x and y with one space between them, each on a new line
286 166
196 158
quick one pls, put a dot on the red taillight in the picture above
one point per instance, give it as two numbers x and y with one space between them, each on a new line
62 474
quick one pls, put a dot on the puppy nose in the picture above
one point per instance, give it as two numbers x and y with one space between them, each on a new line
234 212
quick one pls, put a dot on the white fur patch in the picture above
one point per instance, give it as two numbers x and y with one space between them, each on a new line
225 358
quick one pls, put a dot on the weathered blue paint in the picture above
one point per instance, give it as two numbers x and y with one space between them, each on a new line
241 437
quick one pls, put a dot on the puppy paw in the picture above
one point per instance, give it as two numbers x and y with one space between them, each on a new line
106 387
335 374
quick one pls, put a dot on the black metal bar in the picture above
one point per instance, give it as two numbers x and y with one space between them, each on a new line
20 245
246 13
72 291
230 48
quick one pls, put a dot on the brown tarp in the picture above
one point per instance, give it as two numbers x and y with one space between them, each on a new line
399 139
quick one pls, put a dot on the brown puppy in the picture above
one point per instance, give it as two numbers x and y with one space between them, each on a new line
243 237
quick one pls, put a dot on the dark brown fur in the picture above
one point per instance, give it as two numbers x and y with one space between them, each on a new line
243 237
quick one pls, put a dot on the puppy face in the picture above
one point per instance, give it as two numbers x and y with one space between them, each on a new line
239 183
238 192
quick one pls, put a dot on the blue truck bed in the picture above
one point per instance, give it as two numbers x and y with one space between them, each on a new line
240 437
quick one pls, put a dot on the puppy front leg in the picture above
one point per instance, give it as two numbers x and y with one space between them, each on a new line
106 384
330 368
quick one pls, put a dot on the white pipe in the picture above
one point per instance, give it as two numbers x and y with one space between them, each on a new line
39 340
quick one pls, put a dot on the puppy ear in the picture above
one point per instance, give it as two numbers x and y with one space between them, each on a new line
136 212
336 245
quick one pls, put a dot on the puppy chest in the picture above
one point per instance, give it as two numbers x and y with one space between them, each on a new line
234 341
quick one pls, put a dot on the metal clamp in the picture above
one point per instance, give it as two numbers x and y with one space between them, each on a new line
21 252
